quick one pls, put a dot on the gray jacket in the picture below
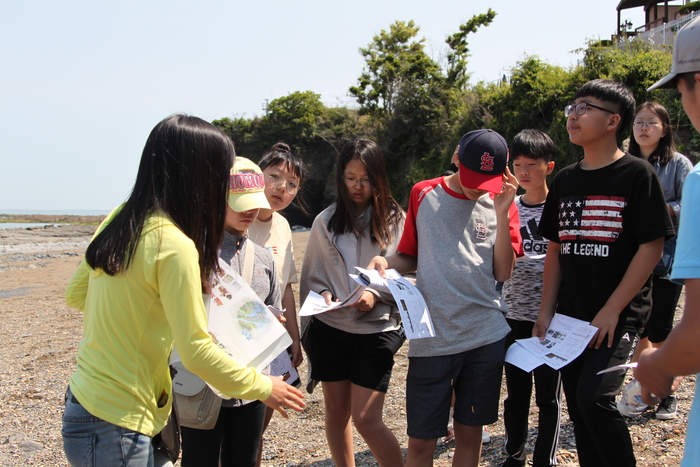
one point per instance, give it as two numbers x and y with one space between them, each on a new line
672 175
326 267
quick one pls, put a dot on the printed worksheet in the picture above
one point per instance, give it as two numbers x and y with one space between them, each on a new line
565 340
316 304
414 311
282 366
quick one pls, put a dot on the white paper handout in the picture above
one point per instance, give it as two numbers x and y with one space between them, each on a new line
240 324
623 366
566 339
282 366
276 311
316 304
414 312
530 256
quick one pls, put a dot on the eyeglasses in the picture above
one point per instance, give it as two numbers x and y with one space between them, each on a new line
581 108
639 125
275 180
352 181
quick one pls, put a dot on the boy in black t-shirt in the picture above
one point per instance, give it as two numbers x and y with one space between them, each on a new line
606 220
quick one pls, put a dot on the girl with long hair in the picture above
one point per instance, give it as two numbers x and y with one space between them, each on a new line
284 177
140 288
351 349
652 140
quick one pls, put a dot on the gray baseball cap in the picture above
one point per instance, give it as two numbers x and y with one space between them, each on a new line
686 55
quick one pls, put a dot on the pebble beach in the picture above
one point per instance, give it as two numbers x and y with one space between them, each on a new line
39 337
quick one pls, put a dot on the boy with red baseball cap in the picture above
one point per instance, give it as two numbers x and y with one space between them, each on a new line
462 233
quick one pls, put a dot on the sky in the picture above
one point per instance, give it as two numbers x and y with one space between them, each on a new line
82 83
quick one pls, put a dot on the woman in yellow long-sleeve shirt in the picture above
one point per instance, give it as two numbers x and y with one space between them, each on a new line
140 288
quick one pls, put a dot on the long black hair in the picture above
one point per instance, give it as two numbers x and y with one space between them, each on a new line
667 146
386 212
183 173
281 153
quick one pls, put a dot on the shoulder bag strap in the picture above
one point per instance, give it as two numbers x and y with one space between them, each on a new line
248 262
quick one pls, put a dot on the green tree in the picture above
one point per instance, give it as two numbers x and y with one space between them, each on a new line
412 100
292 118
457 75
534 98
395 60
239 129
636 63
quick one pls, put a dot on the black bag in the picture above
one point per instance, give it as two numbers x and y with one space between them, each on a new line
168 440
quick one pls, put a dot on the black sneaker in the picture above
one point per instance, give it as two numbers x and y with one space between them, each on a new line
668 408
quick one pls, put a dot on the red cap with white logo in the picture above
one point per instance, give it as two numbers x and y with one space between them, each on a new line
483 157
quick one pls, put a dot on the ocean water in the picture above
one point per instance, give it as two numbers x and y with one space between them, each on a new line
57 212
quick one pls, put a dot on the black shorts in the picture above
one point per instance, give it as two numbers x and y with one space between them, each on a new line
364 359
473 375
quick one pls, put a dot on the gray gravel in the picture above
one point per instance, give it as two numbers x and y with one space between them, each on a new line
40 335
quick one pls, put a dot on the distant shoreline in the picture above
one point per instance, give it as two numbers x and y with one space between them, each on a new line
54 212
52 218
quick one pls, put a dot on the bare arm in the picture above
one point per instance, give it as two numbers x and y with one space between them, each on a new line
637 273
680 354
290 313
402 262
550 289
503 254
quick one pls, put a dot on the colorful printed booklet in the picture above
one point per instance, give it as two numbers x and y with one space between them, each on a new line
240 324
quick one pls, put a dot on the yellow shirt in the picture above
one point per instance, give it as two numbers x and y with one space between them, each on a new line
130 323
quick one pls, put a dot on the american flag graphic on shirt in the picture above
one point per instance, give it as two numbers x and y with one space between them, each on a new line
591 218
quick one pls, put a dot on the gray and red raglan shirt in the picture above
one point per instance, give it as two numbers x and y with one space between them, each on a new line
452 238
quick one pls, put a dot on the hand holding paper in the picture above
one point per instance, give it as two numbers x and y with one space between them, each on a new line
240 324
416 318
366 301
564 340
316 304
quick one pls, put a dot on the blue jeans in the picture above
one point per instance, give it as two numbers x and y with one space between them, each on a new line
89 441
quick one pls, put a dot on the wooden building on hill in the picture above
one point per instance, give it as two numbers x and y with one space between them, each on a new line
662 19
